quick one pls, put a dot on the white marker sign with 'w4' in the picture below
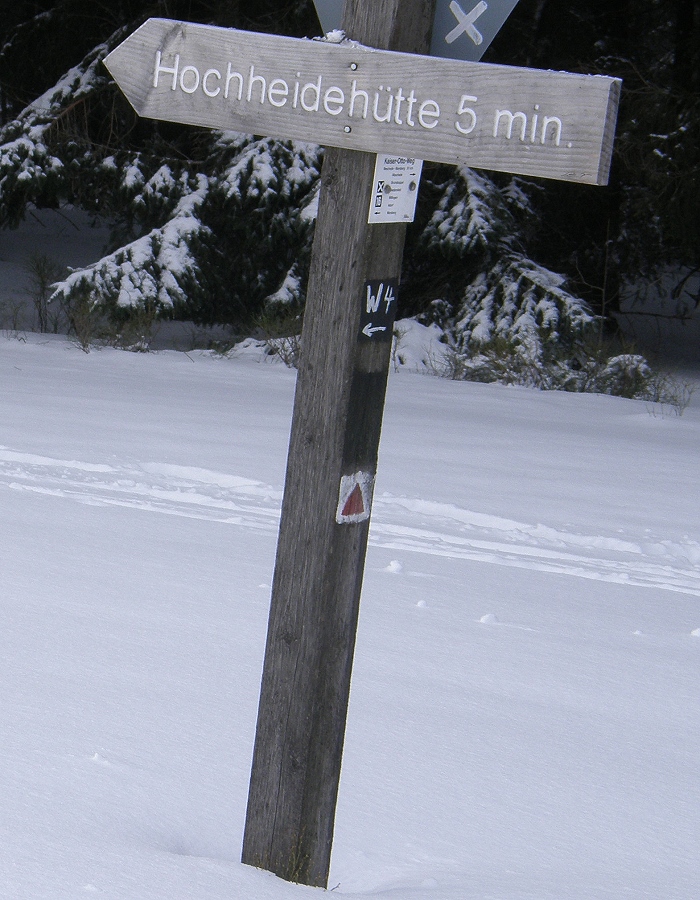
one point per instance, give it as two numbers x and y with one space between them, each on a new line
523 121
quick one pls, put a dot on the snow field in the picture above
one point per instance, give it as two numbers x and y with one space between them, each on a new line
524 717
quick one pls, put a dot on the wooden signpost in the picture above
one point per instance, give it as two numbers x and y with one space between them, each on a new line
348 97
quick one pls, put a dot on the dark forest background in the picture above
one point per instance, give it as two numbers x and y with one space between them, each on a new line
546 249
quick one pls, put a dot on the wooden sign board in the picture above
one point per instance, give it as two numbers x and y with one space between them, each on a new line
524 121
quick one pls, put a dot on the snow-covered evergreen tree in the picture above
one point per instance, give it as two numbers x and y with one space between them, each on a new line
643 227
214 239
506 318
217 227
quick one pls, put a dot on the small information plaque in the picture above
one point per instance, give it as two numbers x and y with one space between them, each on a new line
395 189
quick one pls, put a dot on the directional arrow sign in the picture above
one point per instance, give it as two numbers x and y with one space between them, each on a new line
524 121
461 30
370 330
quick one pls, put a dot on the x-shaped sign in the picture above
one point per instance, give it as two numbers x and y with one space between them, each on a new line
461 41
465 22
464 29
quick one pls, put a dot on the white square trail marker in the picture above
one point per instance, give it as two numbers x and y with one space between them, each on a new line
396 181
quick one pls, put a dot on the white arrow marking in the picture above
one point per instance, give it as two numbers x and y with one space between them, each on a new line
465 22
370 330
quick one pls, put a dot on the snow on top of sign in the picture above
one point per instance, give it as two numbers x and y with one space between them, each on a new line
336 36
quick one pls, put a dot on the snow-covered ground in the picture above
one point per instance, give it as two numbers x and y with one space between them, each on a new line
525 714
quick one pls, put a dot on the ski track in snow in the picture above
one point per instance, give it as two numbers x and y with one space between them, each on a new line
398 523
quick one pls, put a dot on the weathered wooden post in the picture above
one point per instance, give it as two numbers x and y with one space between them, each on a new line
364 101
331 468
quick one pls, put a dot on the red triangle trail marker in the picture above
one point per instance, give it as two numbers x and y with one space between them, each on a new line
355 504
355 498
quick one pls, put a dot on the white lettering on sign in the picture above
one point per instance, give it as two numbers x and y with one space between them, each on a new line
521 121
466 127
383 104
550 129
205 83
384 294
378 310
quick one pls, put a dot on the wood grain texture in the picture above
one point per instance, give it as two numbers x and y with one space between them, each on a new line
317 583
524 121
